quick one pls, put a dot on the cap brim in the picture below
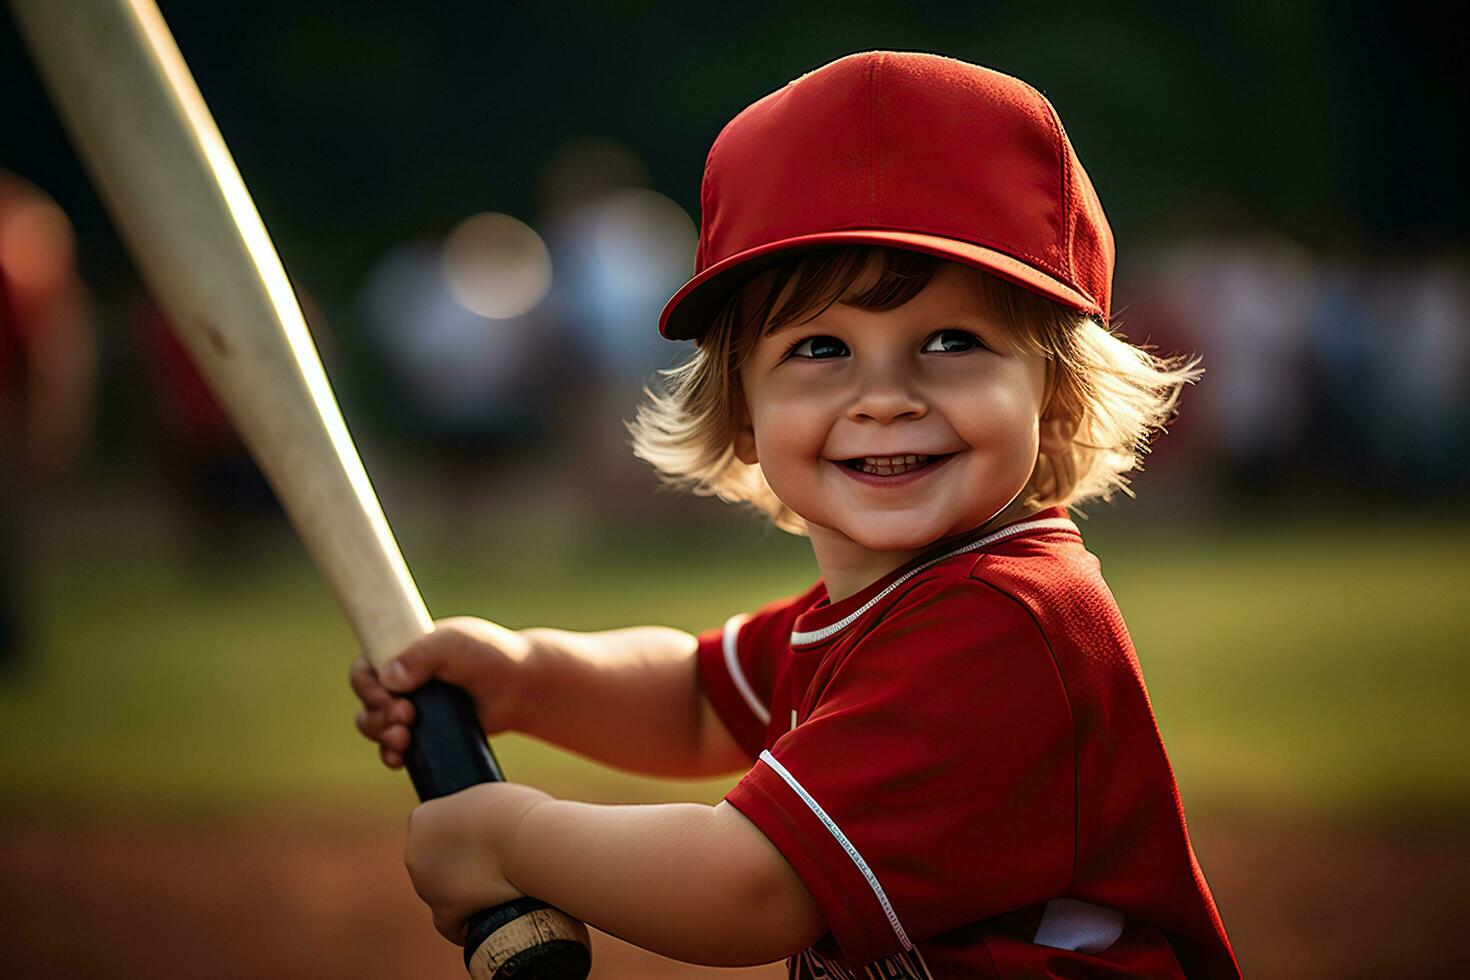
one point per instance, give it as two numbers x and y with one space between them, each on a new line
691 310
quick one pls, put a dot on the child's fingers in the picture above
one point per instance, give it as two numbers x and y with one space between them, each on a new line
384 728
395 737
384 719
402 712
397 711
371 723
366 686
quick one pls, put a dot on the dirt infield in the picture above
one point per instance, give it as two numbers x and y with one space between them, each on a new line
294 898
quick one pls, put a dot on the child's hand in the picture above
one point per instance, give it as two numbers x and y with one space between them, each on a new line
481 657
457 849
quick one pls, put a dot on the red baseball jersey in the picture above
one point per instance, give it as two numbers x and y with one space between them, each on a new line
961 763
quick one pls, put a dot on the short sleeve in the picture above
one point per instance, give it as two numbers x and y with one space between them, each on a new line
739 661
932 784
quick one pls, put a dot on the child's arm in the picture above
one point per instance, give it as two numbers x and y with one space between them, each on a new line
698 883
629 698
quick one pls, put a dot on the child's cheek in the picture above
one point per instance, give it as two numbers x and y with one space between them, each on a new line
790 417
1004 426
789 446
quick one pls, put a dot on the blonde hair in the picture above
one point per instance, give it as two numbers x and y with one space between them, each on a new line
1118 395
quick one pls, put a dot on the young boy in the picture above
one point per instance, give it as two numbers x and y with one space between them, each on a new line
901 302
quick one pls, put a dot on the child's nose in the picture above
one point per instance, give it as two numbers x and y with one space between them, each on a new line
885 396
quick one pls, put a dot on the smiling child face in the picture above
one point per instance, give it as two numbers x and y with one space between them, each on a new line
888 430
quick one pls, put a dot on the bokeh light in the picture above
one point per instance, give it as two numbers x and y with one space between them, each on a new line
496 266
36 247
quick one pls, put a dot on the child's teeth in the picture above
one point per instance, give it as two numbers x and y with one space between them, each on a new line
889 465
894 460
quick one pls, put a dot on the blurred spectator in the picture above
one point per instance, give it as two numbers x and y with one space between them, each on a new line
476 370
620 250
1249 297
1422 354
465 381
1346 369
224 494
620 257
1343 335
47 375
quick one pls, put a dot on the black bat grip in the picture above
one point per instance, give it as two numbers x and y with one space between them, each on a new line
448 752
524 939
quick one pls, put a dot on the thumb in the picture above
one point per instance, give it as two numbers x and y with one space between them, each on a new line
445 653
414 667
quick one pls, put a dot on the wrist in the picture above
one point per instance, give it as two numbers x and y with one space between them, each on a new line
513 857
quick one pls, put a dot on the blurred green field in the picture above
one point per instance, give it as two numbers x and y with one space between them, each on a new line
1316 669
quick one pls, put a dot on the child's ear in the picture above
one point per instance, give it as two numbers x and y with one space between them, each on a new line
744 430
1057 432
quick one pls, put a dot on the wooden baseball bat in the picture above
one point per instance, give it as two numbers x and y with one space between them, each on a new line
159 162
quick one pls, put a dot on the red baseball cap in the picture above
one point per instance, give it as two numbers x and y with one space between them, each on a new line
906 150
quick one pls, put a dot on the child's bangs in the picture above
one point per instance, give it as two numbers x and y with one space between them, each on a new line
867 278
878 278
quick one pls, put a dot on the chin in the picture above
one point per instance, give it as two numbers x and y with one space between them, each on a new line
897 539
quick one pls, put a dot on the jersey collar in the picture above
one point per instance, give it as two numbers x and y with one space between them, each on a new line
826 619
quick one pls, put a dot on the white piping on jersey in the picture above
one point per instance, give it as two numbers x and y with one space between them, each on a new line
1050 524
732 664
1079 926
846 844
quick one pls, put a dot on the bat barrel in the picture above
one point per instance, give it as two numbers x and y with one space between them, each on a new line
163 170
161 166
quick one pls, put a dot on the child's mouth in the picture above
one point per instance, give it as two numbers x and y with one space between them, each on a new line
893 466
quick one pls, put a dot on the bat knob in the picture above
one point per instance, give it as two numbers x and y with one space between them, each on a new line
527 940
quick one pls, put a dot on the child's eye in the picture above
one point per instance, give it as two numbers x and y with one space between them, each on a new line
818 348
951 342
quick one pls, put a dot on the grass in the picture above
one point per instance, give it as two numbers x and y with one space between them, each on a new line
1316 668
